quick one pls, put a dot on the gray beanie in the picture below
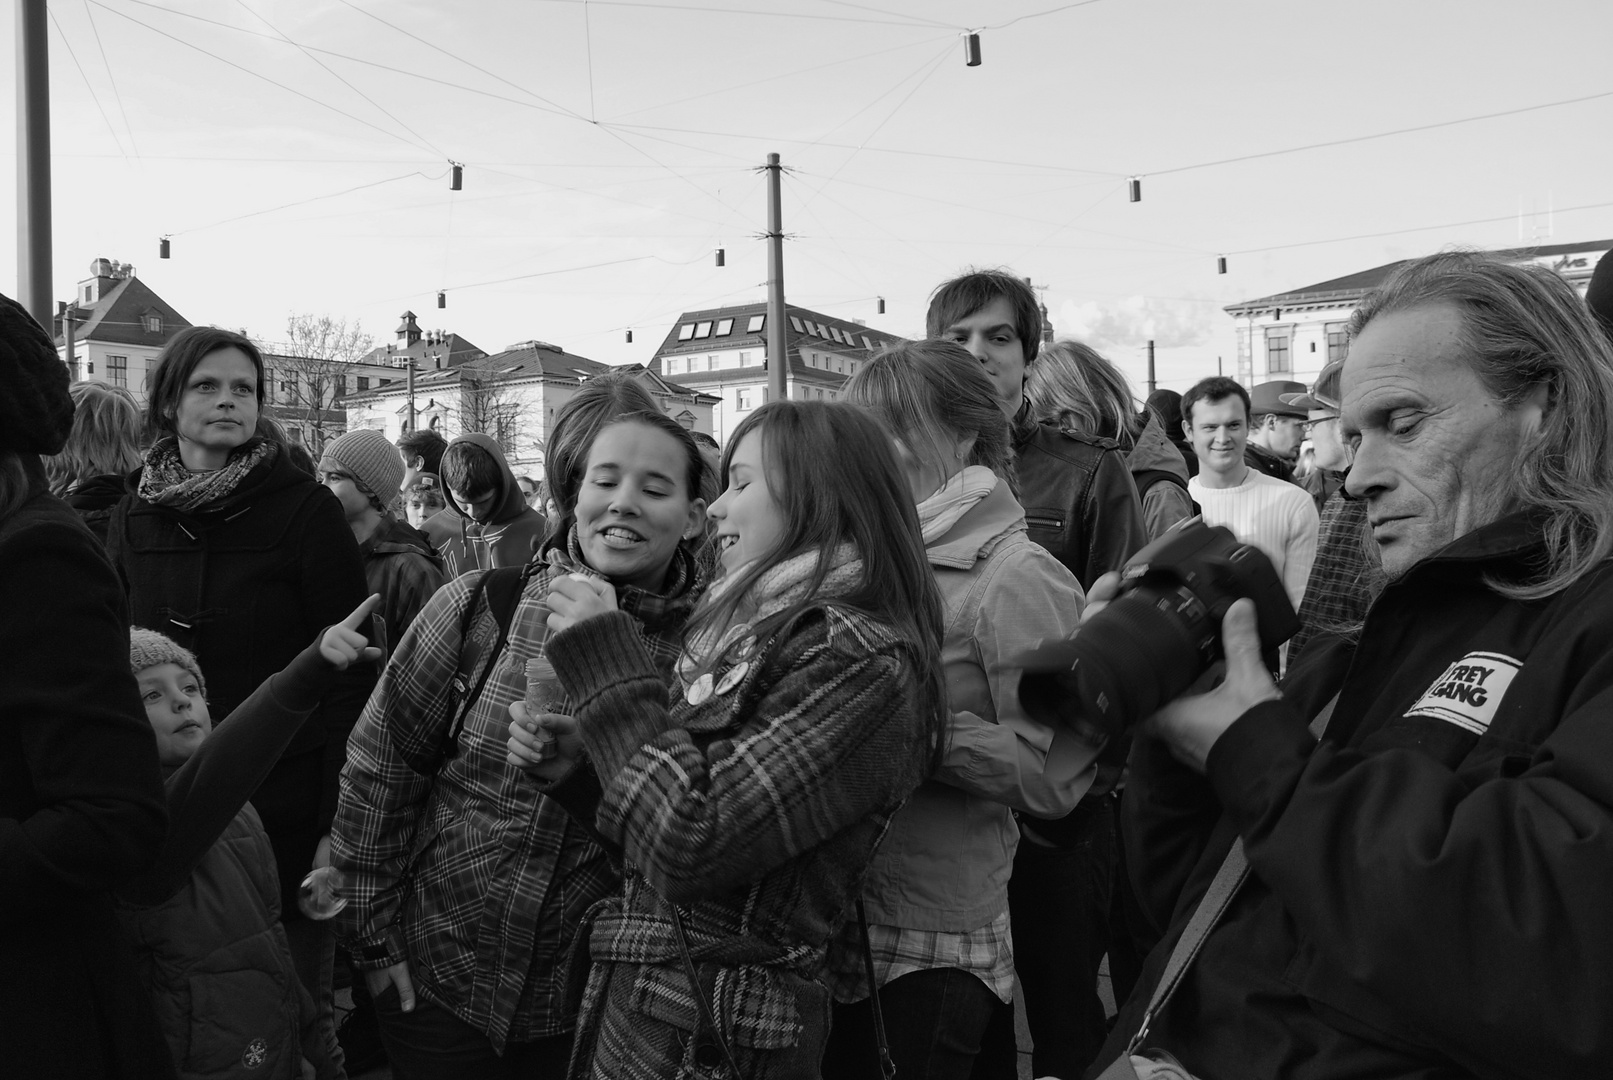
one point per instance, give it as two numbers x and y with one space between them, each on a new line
147 649
372 459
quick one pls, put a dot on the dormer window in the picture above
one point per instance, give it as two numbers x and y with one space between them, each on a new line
153 324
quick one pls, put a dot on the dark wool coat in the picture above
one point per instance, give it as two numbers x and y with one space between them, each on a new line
245 584
400 564
756 811
81 806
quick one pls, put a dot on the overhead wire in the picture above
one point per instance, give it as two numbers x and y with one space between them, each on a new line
117 95
1412 229
742 11
588 40
1040 14
302 202
264 78
898 14
116 141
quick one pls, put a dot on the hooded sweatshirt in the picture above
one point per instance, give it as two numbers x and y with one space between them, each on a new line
1161 475
505 539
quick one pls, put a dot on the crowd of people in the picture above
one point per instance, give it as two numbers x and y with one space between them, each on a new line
687 760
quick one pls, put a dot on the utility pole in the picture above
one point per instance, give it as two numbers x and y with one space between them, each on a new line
1152 384
778 361
33 162
412 420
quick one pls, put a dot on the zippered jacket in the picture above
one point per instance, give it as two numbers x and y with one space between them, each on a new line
1429 884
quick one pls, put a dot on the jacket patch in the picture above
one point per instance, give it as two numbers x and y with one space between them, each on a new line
1469 692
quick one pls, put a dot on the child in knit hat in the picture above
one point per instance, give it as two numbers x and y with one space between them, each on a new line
205 918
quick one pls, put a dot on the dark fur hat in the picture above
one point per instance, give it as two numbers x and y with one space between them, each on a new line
36 412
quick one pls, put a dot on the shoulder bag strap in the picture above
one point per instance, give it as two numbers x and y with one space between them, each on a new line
707 1020
1215 903
887 1067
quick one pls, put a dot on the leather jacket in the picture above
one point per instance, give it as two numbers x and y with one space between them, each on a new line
1080 501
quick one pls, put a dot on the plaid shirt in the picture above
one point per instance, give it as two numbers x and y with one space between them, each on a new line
1343 578
458 864
986 952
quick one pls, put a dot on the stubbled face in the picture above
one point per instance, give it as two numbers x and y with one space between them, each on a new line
218 408
1282 435
1435 451
750 523
175 710
991 337
1218 431
634 505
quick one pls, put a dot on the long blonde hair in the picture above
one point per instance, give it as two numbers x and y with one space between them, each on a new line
1078 388
105 437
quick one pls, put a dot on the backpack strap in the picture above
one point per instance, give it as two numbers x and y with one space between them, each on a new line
501 589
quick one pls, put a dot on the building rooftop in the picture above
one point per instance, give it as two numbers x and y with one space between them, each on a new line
744 326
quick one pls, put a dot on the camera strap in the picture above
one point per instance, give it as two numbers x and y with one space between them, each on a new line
1234 869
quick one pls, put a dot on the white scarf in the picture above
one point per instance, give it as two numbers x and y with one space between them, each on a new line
955 498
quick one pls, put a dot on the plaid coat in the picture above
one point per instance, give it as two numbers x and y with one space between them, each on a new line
756 811
458 863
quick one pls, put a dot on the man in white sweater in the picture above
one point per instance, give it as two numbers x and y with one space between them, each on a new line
1276 517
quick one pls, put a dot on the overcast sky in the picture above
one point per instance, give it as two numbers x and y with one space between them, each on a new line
624 138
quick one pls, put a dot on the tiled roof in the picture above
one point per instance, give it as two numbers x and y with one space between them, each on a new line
849 343
1347 290
118 318
453 349
530 360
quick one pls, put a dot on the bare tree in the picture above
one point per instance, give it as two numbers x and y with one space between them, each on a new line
310 371
488 404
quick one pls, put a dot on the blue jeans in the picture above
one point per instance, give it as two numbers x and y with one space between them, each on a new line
431 1043
933 1024
1059 901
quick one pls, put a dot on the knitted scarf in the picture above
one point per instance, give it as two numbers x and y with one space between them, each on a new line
778 589
953 499
166 482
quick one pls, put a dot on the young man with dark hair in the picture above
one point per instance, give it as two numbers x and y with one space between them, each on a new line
421 452
1082 506
492 525
1277 517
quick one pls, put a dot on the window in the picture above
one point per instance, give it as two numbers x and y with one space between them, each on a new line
744 359
1338 342
341 386
363 383
1277 359
755 324
686 331
745 398
154 324
823 332
268 385
702 330
727 360
725 327
851 367
866 343
674 365
117 370
840 365
795 322
820 395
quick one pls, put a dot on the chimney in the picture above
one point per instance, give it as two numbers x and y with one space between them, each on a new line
408 331
103 278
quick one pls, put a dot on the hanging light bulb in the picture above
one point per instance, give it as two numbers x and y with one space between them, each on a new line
1220 264
881 305
162 248
458 182
1134 186
971 50
442 298
719 256
630 337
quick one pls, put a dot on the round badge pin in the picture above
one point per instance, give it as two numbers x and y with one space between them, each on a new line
733 677
699 690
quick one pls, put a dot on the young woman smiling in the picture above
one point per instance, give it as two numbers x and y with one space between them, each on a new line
242 559
808 705
467 885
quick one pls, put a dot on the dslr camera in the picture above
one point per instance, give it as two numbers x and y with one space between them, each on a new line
1159 635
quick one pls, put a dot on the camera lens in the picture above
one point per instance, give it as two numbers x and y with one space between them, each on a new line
1132 657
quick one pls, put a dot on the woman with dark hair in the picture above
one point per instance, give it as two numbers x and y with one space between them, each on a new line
240 557
467 885
81 800
937 890
809 703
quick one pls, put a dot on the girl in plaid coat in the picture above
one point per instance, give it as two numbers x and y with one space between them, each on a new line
808 705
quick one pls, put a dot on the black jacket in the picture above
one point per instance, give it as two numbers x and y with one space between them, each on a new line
96 498
81 807
400 564
1260 459
1079 499
1430 884
246 584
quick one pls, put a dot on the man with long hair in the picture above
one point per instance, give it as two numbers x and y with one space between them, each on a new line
1428 883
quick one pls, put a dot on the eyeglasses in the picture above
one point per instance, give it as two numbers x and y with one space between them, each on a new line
1310 425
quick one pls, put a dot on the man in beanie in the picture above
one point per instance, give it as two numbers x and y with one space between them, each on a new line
363 471
81 799
1276 429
